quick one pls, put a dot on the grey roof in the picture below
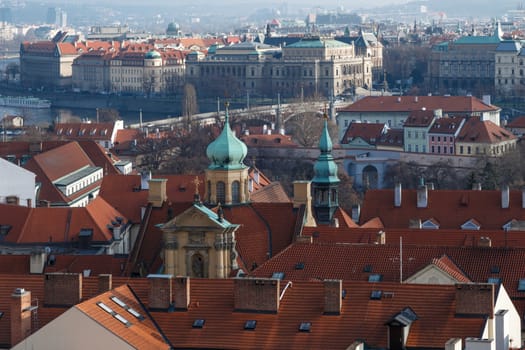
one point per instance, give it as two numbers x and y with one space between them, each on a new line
77 175
509 46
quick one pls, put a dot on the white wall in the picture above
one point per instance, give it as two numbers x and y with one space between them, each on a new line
73 330
16 181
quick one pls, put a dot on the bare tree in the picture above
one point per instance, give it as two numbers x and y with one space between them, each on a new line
189 101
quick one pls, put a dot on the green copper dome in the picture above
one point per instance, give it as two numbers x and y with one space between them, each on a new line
227 151
325 168
152 54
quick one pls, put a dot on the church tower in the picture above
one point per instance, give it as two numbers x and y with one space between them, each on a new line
325 182
227 175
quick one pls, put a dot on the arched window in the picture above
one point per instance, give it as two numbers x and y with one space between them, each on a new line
236 194
221 193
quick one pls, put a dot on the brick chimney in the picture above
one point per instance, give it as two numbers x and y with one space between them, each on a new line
302 196
160 291
333 296
256 294
181 292
475 299
157 192
105 282
397 195
20 315
505 197
62 289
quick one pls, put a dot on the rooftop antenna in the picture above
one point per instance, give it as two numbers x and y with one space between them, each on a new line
400 259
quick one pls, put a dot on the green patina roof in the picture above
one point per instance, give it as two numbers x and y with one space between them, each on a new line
214 216
227 151
312 43
325 168
152 54
478 40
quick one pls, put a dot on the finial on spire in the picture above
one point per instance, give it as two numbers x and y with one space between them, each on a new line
325 113
226 105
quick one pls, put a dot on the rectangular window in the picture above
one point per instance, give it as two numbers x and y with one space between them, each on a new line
460 149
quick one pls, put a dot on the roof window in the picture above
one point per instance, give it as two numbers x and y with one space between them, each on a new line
250 325
199 323
376 295
494 280
305 327
299 266
375 277
278 275
521 285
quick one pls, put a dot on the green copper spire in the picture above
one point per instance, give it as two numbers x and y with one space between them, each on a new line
227 151
325 168
325 182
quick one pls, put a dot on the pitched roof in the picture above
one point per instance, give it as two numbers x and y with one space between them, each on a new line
518 122
451 208
477 131
85 131
449 104
369 132
140 333
422 118
271 193
446 125
213 301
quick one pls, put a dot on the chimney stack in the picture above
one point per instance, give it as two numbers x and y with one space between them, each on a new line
144 178
302 196
181 291
37 261
157 192
105 282
20 315
160 291
454 344
256 294
333 296
485 242
62 289
397 195
381 237
475 299
422 196
505 197
356 213
476 186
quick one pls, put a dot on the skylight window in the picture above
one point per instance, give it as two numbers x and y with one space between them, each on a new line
198 323
278 275
376 295
375 277
494 269
122 319
119 302
367 268
126 307
250 325
521 285
494 280
305 327
299 266
105 308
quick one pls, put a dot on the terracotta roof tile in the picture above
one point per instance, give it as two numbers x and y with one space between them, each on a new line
451 208
449 104
369 132
477 131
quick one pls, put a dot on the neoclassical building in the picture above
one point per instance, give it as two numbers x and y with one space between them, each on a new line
310 66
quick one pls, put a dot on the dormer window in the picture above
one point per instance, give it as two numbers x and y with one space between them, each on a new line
472 224
430 224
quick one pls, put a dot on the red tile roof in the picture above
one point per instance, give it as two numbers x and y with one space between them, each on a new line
274 140
449 104
419 118
369 132
479 131
140 334
451 208
446 125
518 122
212 300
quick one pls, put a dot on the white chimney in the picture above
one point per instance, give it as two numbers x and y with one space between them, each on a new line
454 344
502 330
397 195
505 197
422 196
144 180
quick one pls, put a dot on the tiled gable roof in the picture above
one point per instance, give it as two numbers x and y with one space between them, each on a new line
369 132
448 266
59 225
449 104
85 131
518 122
271 193
477 131
273 140
419 118
446 125
123 192
213 301
451 208
139 333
